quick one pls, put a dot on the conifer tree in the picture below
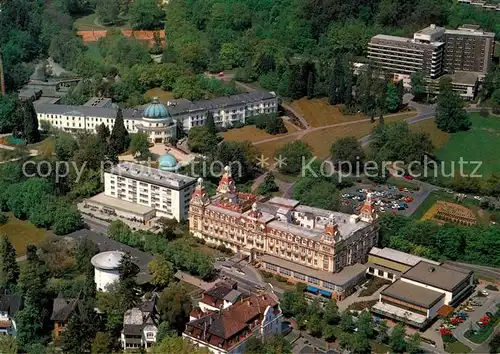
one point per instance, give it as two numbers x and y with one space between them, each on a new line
9 269
119 138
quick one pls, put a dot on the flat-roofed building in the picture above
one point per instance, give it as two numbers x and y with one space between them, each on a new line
409 303
140 193
454 283
418 295
468 48
296 241
389 263
401 55
465 83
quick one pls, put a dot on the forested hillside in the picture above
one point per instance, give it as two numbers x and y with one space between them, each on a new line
262 35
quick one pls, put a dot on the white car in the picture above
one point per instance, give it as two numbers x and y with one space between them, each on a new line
484 292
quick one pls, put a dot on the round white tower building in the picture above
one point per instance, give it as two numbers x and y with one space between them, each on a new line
106 266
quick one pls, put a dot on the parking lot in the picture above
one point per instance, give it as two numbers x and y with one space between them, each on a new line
388 199
469 315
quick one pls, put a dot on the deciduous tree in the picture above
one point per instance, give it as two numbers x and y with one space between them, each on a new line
451 116
397 339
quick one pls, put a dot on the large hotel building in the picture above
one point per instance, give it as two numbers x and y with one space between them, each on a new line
140 194
157 120
405 55
321 248
464 54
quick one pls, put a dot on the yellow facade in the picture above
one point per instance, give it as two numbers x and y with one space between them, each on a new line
388 264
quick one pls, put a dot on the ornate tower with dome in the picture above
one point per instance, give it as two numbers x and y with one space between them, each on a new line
157 123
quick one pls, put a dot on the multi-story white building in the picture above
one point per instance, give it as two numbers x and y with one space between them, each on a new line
404 56
141 193
157 120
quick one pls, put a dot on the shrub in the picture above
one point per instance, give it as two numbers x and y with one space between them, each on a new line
238 125
3 219
281 279
484 112
492 287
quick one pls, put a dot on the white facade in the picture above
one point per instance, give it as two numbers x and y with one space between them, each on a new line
169 195
448 295
226 112
106 269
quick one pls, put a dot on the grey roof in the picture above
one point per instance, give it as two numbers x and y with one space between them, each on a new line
232 296
218 291
85 111
103 199
10 303
221 102
289 203
436 275
178 107
104 243
469 78
464 31
429 30
152 175
413 294
63 308
341 278
386 37
398 256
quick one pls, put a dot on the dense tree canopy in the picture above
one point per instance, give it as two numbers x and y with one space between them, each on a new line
452 242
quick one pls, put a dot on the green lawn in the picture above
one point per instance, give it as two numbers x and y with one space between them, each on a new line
456 347
93 51
401 182
90 22
380 348
21 233
480 143
483 334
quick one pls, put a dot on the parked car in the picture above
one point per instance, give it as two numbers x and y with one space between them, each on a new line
484 292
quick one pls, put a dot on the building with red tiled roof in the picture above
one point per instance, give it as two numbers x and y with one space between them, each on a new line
228 330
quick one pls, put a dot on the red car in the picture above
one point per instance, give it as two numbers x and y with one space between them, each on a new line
456 320
409 178
221 74
445 331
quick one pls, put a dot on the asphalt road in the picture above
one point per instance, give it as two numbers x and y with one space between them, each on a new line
490 304
489 272
96 225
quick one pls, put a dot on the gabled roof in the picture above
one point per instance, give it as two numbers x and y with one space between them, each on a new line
10 303
63 308
234 319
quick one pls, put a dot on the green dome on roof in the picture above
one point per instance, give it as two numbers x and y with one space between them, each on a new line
156 110
168 163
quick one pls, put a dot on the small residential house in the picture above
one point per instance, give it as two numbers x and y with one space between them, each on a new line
140 325
62 310
221 296
9 305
